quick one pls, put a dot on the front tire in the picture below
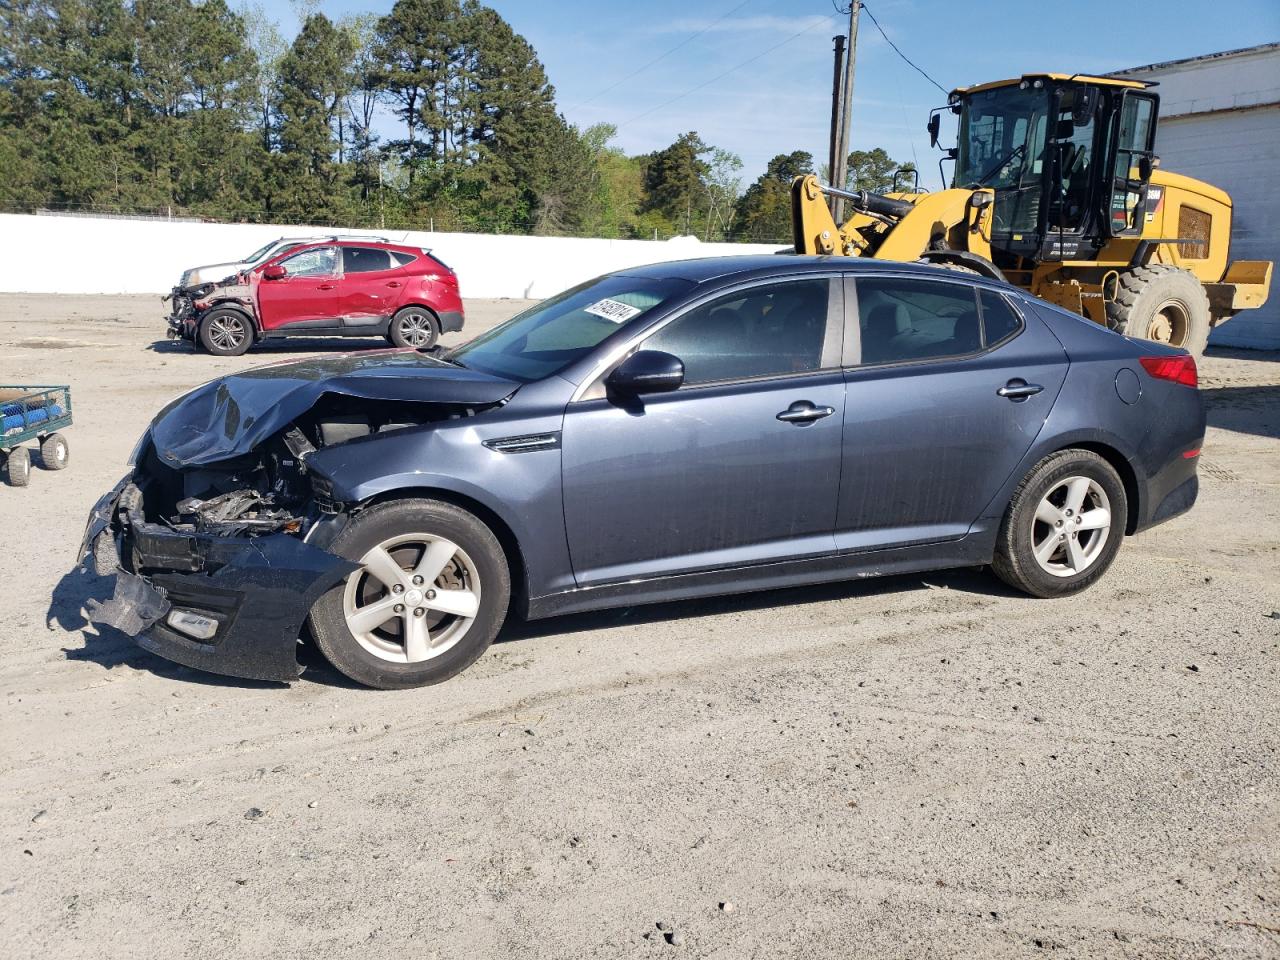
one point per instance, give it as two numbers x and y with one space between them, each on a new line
415 327
226 333
1063 527
431 594
1163 304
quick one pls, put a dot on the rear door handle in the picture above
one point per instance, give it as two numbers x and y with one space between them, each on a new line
1018 390
327 286
393 283
802 412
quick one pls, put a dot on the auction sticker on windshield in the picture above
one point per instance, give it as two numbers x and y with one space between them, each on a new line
613 310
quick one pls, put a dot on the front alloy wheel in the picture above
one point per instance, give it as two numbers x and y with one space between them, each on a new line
414 597
226 333
428 595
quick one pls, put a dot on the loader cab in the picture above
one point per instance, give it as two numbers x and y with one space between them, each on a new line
1069 159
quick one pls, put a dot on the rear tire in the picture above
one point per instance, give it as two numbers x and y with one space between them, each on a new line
1052 541
17 467
447 599
54 452
226 333
1163 304
415 327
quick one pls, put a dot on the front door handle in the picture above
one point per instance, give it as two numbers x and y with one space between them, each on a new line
393 283
327 286
802 412
1018 390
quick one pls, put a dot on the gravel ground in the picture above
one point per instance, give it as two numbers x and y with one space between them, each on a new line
911 767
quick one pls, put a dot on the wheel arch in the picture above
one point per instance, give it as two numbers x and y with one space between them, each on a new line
417 304
491 518
963 258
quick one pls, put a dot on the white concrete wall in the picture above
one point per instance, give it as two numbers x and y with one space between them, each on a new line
1220 122
1238 151
88 255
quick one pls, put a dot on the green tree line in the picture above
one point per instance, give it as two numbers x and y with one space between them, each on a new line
194 108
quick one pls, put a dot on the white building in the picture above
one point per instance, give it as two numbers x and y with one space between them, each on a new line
1220 122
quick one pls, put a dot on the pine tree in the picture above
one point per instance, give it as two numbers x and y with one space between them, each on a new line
764 211
314 80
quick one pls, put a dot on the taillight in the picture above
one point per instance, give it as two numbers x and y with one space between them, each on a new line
1180 368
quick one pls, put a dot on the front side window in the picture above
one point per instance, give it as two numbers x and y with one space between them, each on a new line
762 332
559 331
906 319
317 262
364 260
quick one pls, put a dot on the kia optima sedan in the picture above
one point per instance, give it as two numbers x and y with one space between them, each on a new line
668 431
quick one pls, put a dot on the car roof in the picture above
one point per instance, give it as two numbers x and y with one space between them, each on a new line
378 244
763 265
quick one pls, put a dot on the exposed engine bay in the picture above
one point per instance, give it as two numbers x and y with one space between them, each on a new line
269 489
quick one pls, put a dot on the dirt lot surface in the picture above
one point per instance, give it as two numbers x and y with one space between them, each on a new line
913 767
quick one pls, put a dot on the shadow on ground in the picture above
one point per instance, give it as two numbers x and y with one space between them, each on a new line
279 345
112 649
1247 409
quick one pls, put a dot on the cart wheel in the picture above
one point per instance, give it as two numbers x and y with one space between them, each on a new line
54 452
18 466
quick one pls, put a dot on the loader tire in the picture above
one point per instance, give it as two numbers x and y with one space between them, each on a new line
1163 304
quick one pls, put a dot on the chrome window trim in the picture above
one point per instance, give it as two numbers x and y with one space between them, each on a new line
854 333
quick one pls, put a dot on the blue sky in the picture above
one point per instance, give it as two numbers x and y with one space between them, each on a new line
781 100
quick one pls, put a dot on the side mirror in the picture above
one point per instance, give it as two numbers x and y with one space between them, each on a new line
1144 169
275 272
935 125
647 371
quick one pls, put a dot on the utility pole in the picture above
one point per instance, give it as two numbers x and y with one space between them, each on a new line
840 173
837 84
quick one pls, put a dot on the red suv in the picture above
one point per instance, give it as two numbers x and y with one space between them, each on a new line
330 288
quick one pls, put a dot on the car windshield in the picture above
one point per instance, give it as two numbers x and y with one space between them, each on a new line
556 332
259 253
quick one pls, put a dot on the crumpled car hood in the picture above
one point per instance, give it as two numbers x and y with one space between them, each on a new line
229 417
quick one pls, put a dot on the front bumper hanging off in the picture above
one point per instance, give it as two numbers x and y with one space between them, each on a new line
257 590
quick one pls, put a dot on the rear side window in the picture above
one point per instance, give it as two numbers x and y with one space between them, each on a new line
364 260
998 319
901 319
402 259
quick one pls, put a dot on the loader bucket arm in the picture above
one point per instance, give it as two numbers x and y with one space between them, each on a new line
813 229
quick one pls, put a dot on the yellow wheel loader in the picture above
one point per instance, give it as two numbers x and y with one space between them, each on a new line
1056 189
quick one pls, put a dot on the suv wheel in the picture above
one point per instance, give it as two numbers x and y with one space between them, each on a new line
429 597
1063 526
414 327
226 333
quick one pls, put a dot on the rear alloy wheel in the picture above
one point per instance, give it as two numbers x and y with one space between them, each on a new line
226 333
17 466
54 452
428 598
1064 525
415 327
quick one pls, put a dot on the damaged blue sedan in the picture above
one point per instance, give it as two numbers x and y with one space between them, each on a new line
670 431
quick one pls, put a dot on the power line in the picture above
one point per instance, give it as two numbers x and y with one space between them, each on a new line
867 11
661 56
721 76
